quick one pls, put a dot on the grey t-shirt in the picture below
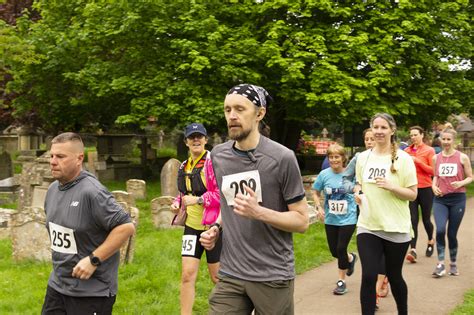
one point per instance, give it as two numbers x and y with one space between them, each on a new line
79 217
253 250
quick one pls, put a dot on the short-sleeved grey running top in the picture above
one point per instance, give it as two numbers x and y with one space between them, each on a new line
253 250
79 217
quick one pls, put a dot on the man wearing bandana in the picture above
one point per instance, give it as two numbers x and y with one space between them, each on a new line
262 203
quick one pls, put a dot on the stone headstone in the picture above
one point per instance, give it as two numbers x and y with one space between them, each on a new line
123 196
6 166
169 175
30 239
39 196
92 159
128 248
161 211
308 181
9 191
5 222
137 188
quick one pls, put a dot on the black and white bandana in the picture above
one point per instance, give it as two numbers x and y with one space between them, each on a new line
256 94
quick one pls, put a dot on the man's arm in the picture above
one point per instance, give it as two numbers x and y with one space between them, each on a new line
294 220
116 238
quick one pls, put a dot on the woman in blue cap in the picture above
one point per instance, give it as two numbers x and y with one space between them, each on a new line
199 194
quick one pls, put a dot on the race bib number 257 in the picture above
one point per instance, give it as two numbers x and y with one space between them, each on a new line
62 239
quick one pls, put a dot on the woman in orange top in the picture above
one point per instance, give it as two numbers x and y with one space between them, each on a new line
422 155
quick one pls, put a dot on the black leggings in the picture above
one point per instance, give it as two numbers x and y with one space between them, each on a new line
371 249
425 201
338 237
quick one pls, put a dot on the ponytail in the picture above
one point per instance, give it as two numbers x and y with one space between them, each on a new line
394 156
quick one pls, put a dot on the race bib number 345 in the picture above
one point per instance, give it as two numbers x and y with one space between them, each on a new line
235 183
62 239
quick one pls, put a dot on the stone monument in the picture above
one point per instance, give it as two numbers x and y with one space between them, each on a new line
161 211
137 188
169 175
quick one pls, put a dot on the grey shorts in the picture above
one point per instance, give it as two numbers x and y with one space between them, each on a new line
235 296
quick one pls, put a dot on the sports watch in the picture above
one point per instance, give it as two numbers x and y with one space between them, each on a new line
200 201
95 261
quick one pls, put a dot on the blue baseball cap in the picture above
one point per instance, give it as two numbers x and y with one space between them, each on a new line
195 128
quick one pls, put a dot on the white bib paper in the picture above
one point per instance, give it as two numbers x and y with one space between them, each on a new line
447 169
188 246
234 184
337 207
62 239
374 170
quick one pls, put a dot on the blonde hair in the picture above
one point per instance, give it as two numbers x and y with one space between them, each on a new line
450 131
337 149
393 139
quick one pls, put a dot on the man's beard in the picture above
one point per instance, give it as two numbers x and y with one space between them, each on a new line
239 135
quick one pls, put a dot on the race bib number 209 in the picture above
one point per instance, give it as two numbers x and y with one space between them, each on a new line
62 239
235 183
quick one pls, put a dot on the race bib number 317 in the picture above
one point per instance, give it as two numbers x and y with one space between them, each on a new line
235 183
62 239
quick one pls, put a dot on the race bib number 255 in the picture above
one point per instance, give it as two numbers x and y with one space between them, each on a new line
62 239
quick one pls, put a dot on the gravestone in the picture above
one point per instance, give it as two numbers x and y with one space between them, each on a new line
123 196
169 175
6 166
137 188
308 181
127 250
9 190
161 211
30 239
92 159
5 222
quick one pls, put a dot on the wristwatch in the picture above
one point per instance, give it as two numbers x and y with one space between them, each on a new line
200 201
218 226
95 261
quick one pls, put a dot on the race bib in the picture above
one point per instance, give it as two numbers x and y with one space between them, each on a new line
373 171
447 169
189 245
337 207
234 184
62 239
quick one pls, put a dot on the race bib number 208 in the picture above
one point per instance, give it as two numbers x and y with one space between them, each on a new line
235 183
62 239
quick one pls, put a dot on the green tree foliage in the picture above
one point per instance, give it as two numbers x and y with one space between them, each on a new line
123 62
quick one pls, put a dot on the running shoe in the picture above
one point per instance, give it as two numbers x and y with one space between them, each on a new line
350 270
439 271
411 257
340 288
453 270
429 250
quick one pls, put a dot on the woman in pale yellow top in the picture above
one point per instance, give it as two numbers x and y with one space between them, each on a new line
387 179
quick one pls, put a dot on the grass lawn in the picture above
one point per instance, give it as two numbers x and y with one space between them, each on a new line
150 285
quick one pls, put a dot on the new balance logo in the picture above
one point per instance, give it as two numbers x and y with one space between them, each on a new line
74 203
